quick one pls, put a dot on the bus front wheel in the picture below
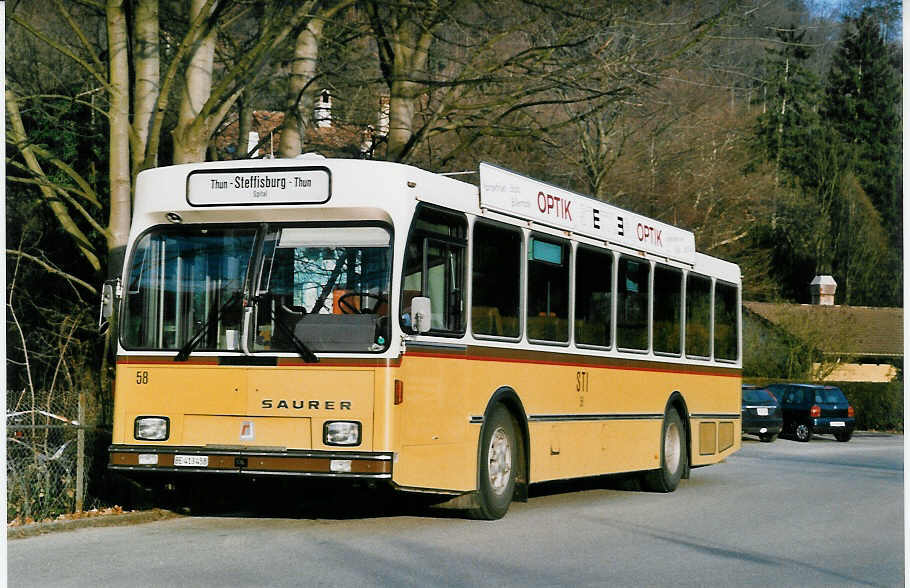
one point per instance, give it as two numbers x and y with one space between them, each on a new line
673 456
498 466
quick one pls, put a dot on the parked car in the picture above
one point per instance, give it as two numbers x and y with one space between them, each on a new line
761 413
809 409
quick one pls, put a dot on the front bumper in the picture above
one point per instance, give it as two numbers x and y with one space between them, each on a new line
250 461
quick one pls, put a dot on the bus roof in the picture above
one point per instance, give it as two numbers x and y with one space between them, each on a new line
270 189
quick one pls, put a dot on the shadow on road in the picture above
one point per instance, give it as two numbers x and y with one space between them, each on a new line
621 482
274 498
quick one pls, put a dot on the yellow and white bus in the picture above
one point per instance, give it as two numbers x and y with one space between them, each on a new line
371 321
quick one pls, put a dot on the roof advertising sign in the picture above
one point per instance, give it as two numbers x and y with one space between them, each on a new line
516 195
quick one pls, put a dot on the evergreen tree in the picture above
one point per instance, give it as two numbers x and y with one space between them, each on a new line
862 103
789 100
824 222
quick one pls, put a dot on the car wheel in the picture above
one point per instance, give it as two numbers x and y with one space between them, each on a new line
767 438
803 432
673 456
498 466
843 437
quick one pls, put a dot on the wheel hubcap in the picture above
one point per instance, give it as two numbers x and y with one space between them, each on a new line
500 461
672 446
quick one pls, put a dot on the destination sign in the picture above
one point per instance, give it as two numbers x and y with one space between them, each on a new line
258 187
517 195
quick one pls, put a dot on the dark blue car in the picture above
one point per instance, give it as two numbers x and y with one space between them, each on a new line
761 413
809 409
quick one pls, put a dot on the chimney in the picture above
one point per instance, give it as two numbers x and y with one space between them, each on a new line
251 142
821 289
323 110
382 127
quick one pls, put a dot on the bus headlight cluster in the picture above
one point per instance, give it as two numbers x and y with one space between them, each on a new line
341 433
151 428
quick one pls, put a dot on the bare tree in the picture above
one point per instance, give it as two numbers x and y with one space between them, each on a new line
299 112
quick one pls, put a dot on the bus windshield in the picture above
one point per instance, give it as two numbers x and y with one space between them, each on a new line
326 286
187 282
320 288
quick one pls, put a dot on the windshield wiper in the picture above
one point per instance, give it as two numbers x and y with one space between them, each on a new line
299 346
213 316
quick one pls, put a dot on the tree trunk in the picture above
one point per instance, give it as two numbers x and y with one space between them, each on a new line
119 134
409 44
402 108
147 85
191 135
244 124
300 98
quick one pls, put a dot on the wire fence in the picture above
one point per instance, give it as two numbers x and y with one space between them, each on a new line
53 461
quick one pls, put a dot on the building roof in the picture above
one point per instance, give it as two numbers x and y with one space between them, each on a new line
839 330
330 140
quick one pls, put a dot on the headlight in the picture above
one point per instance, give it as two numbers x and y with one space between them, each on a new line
341 433
151 428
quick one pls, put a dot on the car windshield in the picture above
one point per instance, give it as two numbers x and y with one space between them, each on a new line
186 282
830 396
328 287
757 395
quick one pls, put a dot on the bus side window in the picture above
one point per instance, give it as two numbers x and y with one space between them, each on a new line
548 290
667 309
633 284
593 296
698 316
434 267
496 281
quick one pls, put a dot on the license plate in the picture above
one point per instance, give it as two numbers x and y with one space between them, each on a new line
761 411
198 461
837 423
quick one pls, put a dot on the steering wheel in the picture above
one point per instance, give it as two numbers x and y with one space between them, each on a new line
347 307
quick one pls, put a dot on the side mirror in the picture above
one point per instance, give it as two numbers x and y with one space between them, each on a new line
421 313
110 293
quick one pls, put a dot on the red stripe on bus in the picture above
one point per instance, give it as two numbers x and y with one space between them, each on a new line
604 364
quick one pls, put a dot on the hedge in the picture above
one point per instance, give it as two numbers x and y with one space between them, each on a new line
879 406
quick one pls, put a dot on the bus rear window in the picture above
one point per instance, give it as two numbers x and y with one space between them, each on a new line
726 322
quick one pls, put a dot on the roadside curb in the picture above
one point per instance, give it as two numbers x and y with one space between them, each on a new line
113 520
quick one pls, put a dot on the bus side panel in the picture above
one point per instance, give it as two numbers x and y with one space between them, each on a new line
431 425
576 417
586 418
715 426
595 418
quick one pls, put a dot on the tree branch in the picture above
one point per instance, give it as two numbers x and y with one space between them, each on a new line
53 270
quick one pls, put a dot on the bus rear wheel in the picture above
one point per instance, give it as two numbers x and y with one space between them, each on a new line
498 467
673 456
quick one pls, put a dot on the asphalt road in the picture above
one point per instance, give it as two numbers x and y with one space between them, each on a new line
780 514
